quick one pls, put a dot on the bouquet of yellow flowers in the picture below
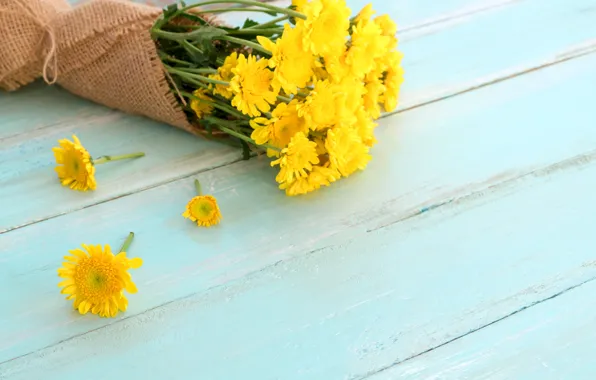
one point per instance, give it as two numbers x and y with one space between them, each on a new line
304 87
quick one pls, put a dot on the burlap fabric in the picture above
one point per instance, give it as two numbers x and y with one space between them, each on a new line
101 50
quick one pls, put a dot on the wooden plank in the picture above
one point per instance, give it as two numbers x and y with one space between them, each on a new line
344 311
437 64
552 340
429 156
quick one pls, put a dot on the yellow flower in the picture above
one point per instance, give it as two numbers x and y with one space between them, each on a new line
201 108
374 89
299 4
337 68
298 157
251 85
365 127
317 177
203 210
280 128
394 77
348 100
347 153
75 166
96 279
365 14
318 108
388 29
293 66
368 44
326 26
224 73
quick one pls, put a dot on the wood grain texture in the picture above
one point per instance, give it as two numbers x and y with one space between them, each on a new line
357 305
552 340
429 157
436 59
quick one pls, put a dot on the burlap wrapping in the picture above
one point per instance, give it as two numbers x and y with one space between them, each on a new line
101 50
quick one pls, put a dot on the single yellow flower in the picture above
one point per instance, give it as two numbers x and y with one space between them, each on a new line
224 73
201 108
365 127
96 279
251 85
372 97
337 68
347 152
76 168
318 109
317 177
388 29
368 44
203 209
394 77
293 66
299 156
280 128
348 100
326 27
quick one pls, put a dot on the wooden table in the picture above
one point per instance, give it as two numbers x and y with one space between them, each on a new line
465 251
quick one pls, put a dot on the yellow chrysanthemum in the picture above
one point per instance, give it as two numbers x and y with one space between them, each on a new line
394 77
293 66
96 279
75 166
347 152
251 85
318 109
203 210
365 127
372 97
368 44
388 29
317 177
299 4
201 108
348 100
337 68
326 26
224 73
280 128
299 156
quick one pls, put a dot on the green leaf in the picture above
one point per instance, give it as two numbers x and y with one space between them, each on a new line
248 23
206 33
170 10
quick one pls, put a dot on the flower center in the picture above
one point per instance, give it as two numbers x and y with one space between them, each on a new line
202 209
97 280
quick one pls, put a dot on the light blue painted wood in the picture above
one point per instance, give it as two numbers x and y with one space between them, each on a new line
553 340
437 64
359 304
431 155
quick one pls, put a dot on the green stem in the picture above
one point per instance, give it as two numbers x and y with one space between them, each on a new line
104 159
198 186
285 11
127 242
257 31
250 44
218 123
231 9
216 104
269 23
200 71
284 98
195 76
